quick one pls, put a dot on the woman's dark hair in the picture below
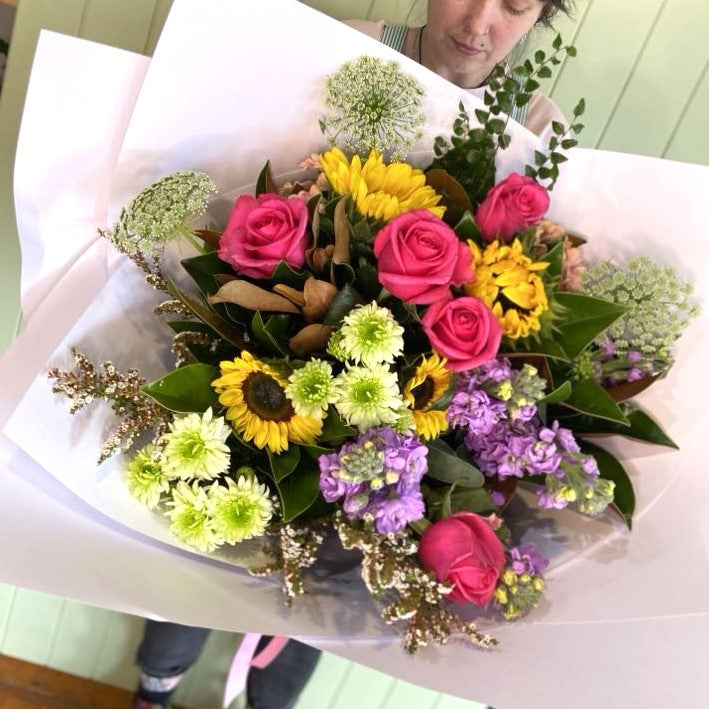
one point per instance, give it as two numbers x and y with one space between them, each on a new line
551 7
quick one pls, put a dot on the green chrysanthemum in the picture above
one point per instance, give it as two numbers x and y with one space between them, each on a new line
370 335
146 479
335 346
195 447
240 511
312 388
369 396
190 520
373 105
161 212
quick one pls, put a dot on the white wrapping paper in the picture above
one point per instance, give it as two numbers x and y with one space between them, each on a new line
624 613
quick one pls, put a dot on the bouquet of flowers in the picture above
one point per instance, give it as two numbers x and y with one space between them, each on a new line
386 352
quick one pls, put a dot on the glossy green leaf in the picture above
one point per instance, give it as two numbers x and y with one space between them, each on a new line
584 319
202 270
229 332
555 258
445 501
184 390
561 393
612 469
334 429
299 491
264 182
641 428
273 333
445 466
346 299
466 228
588 397
283 464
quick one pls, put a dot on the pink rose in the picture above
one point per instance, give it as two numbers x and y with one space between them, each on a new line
419 257
510 206
262 231
463 550
463 330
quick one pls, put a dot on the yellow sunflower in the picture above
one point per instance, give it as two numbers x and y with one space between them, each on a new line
378 190
506 279
429 383
258 407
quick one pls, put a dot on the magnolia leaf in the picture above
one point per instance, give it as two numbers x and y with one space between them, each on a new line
265 182
312 338
230 333
247 295
283 273
444 501
209 236
467 228
299 491
185 390
585 318
293 294
453 192
283 464
444 465
555 258
318 296
341 252
589 397
627 390
612 469
641 428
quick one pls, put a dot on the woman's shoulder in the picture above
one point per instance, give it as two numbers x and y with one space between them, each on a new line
542 111
372 29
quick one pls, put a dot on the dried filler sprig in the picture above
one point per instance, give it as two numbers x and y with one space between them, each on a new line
137 411
390 568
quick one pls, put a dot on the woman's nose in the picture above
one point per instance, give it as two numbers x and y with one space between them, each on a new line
481 16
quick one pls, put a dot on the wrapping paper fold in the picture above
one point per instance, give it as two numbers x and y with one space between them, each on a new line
225 107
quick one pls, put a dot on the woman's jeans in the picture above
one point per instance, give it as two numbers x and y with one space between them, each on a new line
169 649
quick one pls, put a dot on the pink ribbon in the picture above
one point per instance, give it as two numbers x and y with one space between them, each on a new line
244 660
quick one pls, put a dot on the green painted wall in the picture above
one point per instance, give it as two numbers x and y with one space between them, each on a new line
642 68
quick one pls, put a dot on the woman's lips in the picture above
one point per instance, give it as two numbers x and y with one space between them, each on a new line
468 49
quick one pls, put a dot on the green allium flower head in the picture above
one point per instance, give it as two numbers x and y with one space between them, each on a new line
161 212
658 306
518 594
312 388
370 335
241 510
369 396
362 464
146 479
189 517
195 447
597 498
374 105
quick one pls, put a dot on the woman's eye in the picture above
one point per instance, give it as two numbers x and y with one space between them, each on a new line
515 10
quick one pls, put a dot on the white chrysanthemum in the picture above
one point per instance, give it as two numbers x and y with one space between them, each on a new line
312 388
241 510
369 396
190 520
146 479
195 447
370 335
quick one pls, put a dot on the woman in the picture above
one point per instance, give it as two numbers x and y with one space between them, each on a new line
463 40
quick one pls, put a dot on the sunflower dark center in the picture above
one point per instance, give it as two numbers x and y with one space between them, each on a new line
423 393
266 398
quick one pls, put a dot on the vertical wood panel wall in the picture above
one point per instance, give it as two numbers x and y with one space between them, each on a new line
642 67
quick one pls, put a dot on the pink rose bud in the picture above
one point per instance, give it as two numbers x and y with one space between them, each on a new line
419 257
463 550
510 206
262 231
464 330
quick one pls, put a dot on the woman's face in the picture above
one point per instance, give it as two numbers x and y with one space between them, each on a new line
465 39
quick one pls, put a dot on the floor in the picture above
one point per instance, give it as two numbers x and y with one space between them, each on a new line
27 686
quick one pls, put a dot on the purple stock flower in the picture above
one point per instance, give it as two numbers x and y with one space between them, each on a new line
476 411
392 515
635 356
526 559
634 374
